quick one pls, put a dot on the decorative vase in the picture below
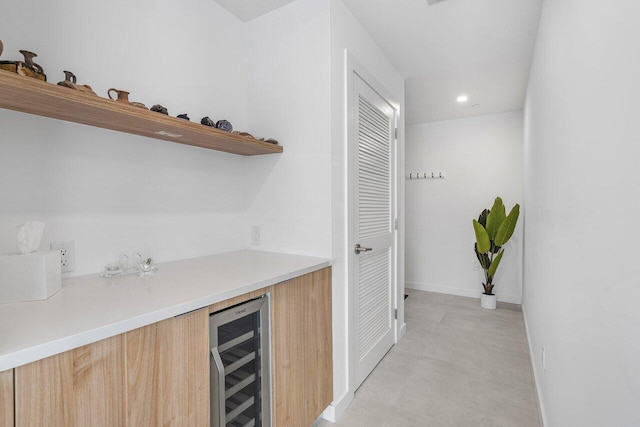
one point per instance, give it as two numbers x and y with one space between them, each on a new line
160 109
224 125
70 82
208 122
28 68
121 95
69 77
28 59
488 301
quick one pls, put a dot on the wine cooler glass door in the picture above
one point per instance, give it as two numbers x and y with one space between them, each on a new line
240 366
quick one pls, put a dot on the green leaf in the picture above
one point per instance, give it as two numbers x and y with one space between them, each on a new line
484 260
495 218
508 226
482 219
494 265
482 238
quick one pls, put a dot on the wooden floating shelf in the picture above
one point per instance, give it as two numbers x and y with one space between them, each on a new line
32 96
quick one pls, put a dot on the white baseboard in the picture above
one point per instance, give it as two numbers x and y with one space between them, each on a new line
428 287
337 407
541 411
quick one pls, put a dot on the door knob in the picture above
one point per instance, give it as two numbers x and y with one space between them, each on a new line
359 249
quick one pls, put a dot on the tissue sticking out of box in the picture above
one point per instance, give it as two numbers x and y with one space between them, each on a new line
29 236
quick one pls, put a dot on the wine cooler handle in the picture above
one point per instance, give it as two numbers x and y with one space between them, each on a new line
221 391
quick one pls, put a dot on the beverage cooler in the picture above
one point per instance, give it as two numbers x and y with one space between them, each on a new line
240 368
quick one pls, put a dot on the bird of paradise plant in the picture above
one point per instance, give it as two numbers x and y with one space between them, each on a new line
493 229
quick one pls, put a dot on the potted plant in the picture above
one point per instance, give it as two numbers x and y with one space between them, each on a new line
493 229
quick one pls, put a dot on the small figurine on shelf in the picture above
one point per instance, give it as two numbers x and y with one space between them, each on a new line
184 117
70 82
270 141
28 68
28 59
123 96
160 109
207 122
224 125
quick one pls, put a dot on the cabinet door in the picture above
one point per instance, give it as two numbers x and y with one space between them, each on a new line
80 387
318 343
288 381
6 398
168 372
302 341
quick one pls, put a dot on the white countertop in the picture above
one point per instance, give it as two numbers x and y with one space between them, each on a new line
91 308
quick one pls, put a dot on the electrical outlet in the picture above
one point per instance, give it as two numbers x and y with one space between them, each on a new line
67 255
544 360
255 235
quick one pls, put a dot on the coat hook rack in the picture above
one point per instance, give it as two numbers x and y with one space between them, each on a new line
425 175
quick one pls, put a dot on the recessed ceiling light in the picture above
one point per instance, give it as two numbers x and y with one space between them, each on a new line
462 98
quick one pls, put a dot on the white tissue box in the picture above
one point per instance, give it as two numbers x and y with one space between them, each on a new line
29 277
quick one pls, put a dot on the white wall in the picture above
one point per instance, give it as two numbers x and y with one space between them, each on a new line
481 158
347 33
581 277
289 99
111 192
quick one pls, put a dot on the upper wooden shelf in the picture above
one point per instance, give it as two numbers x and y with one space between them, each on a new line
33 96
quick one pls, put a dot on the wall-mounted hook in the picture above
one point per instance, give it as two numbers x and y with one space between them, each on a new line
424 175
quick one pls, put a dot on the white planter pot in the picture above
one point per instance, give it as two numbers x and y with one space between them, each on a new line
488 301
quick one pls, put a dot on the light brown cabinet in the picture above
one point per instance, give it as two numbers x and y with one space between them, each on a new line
151 376
80 387
159 374
167 368
302 349
6 398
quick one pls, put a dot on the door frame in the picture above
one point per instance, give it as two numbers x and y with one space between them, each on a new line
354 67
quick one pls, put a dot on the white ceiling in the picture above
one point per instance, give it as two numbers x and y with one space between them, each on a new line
246 10
481 48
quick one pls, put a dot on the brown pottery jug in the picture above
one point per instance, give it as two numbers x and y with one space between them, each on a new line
123 95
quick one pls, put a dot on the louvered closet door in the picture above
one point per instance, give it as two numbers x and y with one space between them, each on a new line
374 269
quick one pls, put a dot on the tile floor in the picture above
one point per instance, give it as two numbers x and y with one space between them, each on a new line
458 365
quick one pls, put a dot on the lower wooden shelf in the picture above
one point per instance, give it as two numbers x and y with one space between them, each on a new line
33 96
